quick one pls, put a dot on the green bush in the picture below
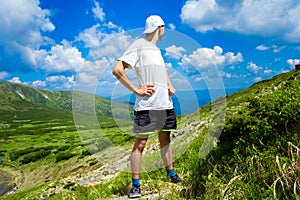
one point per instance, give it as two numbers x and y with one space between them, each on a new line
63 148
85 152
29 151
34 156
65 155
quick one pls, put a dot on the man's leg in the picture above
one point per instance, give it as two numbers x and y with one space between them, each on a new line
165 149
136 164
136 156
166 154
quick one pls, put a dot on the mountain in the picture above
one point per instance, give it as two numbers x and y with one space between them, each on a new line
24 106
17 97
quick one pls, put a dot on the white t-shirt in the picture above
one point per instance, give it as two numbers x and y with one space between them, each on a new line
146 59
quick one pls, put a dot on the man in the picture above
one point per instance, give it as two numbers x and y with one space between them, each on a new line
153 109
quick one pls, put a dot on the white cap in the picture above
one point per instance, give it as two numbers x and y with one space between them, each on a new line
152 23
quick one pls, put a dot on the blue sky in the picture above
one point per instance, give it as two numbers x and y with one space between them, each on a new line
74 44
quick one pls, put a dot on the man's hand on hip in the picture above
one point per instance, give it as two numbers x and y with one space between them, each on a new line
145 90
171 91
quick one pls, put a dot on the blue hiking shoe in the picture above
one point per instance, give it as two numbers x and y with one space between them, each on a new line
175 179
135 192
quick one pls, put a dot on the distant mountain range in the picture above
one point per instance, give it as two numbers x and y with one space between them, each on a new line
18 98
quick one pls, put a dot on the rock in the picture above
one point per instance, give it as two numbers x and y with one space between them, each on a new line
105 173
154 148
177 133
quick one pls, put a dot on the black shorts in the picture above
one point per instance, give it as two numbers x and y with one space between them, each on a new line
148 121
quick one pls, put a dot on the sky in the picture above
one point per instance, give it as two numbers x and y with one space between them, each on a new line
74 44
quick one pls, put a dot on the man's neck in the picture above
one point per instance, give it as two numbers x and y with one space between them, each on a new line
149 37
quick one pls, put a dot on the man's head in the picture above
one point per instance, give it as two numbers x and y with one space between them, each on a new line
154 24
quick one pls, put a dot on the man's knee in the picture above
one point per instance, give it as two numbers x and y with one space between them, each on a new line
140 145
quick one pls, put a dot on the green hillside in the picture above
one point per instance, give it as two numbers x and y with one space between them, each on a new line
258 152
255 154
38 132
27 110
18 97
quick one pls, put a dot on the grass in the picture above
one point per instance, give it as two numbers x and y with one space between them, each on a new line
43 174
257 156
54 151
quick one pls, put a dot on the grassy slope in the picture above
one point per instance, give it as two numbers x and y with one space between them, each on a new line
22 95
38 138
257 156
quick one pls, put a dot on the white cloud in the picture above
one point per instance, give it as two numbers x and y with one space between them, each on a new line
197 79
194 12
62 58
172 26
93 69
22 21
262 48
267 71
257 79
253 67
91 36
174 52
228 75
4 75
30 56
15 80
39 83
293 62
102 43
111 25
93 74
205 58
277 49
98 12
60 82
105 43
112 46
274 48
230 58
86 79
279 18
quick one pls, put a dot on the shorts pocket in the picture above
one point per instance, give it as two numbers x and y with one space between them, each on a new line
143 120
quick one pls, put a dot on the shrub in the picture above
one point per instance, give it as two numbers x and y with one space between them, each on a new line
65 155
14 155
34 156
85 152
63 148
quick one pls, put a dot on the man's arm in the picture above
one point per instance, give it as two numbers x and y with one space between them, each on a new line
119 72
